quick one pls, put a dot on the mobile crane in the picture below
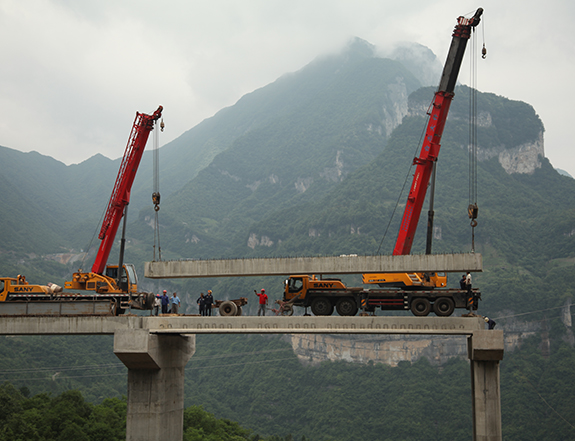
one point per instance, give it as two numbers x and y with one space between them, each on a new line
425 168
417 294
114 290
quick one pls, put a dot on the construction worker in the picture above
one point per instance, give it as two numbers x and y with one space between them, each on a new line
209 299
201 304
175 303
157 304
490 323
471 303
165 302
468 282
263 301
462 282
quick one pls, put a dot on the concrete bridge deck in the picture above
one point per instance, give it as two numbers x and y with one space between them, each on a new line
346 264
240 325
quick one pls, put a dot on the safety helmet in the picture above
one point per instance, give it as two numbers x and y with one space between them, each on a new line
263 290
209 291
487 319
165 290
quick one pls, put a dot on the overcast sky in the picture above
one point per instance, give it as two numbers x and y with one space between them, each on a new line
74 72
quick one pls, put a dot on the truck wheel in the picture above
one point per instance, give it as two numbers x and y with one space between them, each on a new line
420 307
149 300
321 306
443 307
228 309
346 306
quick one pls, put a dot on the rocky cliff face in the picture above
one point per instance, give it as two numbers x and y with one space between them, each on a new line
525 158
391 349
388 349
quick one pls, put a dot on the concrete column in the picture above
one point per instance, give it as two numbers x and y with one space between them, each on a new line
485 350
155 382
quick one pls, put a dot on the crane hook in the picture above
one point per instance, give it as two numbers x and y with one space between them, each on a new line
484 52
162 125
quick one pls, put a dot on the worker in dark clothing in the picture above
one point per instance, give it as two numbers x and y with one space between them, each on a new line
165 302
209 299
202 304
490 323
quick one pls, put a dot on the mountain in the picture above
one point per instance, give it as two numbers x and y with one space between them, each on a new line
296 156
315 163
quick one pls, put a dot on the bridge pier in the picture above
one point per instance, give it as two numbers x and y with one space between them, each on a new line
485 350
156 366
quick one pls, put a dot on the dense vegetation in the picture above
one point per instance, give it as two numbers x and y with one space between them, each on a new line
68 417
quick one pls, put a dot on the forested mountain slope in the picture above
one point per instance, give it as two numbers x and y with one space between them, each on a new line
194 150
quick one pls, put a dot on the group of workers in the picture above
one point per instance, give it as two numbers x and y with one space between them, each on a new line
205 303
166 304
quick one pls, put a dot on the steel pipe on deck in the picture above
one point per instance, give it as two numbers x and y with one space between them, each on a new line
346 264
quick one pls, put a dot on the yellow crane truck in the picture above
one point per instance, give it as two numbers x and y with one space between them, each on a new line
19 297
323 295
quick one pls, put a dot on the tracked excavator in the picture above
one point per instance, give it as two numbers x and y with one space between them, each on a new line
419 292
106 289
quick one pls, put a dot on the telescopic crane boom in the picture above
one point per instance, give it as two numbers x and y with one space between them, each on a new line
143 125
434 131
431 144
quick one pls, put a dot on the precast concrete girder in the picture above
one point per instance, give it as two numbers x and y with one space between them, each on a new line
345 264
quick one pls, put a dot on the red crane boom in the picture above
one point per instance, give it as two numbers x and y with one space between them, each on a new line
434 131
143 125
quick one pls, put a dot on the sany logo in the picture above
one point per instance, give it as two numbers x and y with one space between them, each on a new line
323 285
22 289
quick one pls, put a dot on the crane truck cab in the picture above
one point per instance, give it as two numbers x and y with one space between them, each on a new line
106 283
322 295
19 286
